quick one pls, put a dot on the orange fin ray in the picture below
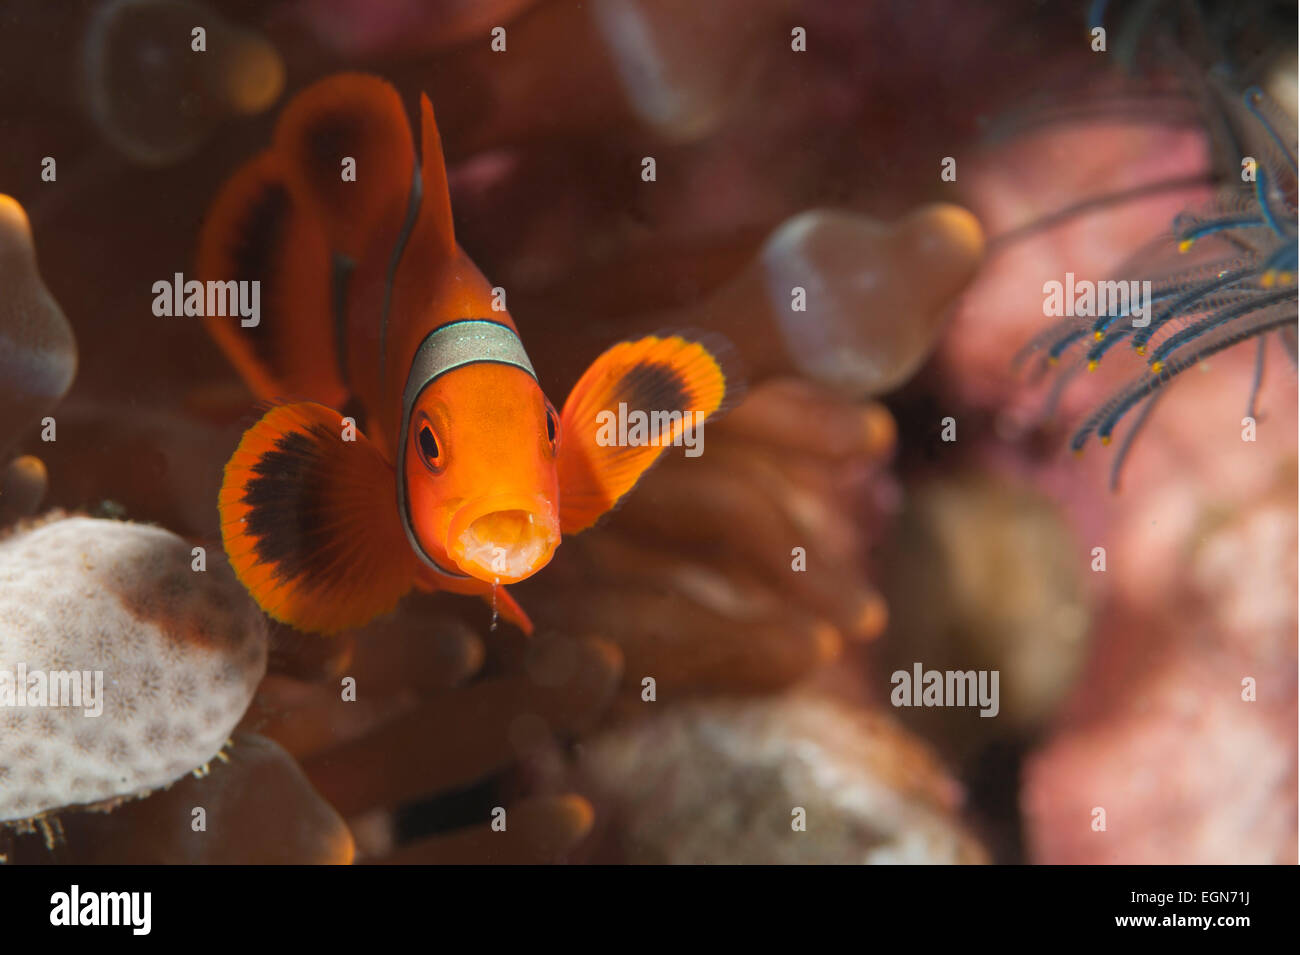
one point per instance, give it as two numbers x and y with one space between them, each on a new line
599 460
308 521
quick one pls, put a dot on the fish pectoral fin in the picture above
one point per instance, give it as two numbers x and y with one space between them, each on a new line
636 399
309 520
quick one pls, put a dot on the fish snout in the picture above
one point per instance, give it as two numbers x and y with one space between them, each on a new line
504 539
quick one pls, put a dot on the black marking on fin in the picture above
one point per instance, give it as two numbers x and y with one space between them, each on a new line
340 275
325 140
654 387
255 253
287 516
355 410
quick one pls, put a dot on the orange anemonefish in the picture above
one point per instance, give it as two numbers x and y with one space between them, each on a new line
465 477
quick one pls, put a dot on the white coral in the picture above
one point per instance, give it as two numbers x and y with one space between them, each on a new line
181 653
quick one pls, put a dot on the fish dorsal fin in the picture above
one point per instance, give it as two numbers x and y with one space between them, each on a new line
653 374
425 241
436 210
345 145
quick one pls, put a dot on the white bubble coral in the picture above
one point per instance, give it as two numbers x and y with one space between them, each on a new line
179 651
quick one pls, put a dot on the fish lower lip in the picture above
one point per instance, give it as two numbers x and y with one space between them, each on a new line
503 544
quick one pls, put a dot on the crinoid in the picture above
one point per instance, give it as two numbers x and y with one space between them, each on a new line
1221 276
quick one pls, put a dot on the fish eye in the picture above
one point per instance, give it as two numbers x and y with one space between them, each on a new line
552 428
430 452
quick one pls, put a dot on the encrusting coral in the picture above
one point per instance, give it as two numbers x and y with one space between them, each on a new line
255 806
166 659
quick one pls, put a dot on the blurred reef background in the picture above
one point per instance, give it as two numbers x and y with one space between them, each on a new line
885 442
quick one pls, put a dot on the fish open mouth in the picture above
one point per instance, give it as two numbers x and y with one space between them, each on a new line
504 544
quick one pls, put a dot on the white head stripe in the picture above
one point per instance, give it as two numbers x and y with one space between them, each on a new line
462 343
452 346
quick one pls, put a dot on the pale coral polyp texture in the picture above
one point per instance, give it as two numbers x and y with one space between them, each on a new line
181 652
